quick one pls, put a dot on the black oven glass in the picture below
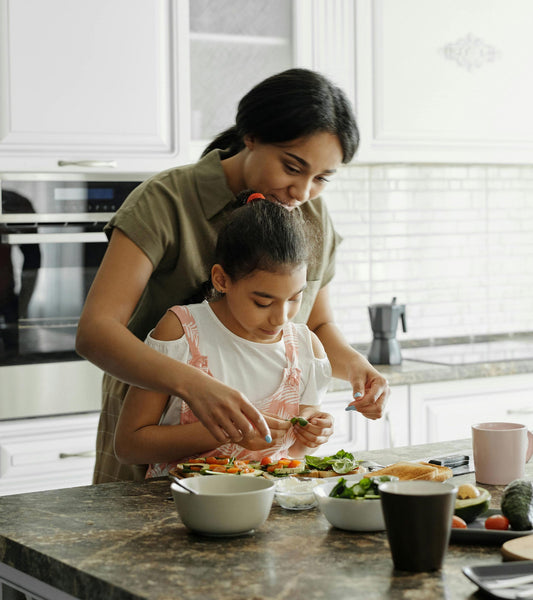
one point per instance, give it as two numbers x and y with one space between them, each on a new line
46 270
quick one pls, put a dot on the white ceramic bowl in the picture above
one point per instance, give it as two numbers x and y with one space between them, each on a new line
225 505
347 513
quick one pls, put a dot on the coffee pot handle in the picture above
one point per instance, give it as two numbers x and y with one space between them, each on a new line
404 324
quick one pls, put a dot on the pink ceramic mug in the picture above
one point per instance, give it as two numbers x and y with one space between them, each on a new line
501 451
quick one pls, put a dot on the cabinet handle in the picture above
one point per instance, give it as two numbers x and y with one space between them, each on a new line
520 411
87 163
85 454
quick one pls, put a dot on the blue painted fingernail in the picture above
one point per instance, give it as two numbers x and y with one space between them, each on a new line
357 395
268 438
350 408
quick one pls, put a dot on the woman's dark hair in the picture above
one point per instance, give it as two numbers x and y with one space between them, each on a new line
290 105
261 235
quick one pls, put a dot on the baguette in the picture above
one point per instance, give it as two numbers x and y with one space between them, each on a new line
405 470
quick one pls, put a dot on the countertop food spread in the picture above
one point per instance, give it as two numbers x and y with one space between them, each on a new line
125 541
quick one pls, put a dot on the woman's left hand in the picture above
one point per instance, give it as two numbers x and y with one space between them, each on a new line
318 430
370 391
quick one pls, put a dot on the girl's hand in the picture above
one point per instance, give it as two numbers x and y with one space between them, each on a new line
278 428
370 391
317 431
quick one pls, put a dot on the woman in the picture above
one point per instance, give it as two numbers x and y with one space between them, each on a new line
292 133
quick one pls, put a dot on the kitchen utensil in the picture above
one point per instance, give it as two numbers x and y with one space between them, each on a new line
385 349
492 578
182 485
224 505
501 451
418 517
520 548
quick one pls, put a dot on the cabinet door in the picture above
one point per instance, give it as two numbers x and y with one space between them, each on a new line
95 82
349 428
392 429
48 453
446 410
444 81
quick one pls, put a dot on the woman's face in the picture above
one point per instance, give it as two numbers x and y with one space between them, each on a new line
293 172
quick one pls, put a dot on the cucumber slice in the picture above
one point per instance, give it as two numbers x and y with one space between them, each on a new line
470 508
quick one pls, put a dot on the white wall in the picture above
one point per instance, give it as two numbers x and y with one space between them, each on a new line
454 243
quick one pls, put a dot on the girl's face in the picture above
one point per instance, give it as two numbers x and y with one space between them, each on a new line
293 172
257 306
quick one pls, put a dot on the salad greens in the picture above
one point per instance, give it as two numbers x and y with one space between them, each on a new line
342 462
366 488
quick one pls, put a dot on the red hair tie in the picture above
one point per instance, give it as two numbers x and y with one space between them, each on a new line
255 196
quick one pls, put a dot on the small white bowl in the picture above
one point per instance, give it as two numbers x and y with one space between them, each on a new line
224 506
296 493
347 513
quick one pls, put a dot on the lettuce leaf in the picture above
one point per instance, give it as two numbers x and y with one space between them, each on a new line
341 462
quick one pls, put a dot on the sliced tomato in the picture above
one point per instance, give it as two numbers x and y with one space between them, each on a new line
497 522
458 523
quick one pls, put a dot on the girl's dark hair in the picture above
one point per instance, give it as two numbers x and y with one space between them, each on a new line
261 235
290 105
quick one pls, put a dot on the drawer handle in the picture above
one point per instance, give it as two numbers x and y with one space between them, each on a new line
520 411
111 164
85 454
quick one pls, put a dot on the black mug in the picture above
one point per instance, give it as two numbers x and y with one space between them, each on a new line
418 517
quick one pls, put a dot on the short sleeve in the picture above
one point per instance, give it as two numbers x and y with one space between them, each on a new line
318 381
176 349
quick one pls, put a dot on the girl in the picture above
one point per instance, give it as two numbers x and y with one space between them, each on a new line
244 337
292 132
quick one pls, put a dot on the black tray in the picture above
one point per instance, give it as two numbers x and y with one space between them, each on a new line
482 575
476 533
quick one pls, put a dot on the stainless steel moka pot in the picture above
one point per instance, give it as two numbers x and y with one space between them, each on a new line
385 349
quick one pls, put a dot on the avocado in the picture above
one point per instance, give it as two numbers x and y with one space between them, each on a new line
470 508
517 504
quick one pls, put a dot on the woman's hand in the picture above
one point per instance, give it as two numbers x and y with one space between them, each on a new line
370 391
225 412
318 430
278 428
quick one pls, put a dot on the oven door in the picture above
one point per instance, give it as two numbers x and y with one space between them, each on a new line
46 271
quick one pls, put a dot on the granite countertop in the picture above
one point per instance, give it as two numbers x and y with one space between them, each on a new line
494 364
125 541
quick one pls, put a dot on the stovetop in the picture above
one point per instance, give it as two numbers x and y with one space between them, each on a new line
471 353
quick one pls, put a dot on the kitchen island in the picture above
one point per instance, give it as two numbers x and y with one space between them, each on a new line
122 541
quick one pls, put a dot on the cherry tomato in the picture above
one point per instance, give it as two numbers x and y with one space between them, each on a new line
496 522
266 460
458 523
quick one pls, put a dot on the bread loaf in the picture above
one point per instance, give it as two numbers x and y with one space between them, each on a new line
416 471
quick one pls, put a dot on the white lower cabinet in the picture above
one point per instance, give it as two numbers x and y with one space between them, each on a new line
355 432
47 453
446 410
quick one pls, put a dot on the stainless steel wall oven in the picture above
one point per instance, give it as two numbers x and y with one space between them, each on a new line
51 244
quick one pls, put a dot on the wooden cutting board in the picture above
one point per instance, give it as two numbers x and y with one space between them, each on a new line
520 548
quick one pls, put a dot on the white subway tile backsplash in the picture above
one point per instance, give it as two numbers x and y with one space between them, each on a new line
454 243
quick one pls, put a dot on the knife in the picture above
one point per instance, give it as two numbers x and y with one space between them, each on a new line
460 464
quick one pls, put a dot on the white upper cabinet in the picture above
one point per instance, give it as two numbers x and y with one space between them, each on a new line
97 84
235 44
444 81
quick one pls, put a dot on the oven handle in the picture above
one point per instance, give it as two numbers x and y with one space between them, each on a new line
53 238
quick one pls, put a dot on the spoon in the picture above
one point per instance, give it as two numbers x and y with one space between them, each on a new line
182 485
